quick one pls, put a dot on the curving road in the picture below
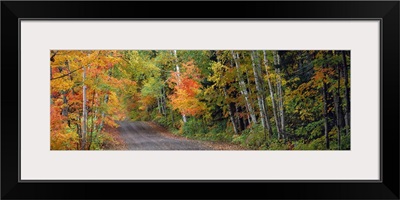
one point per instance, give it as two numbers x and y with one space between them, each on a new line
142 136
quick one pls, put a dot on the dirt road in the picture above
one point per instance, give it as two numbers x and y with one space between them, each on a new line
143 136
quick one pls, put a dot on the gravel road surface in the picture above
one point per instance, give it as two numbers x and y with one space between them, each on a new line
142 136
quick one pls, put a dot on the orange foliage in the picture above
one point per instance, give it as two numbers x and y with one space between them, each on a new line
187 87
66 94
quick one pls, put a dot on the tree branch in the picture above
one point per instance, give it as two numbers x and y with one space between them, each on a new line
64 75
52 56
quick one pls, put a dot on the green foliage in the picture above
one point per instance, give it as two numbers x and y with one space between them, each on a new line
152 87
198 129
221 136
194 126
240 139
275 144
255 136
201 58
317 144
219 127
345 142
252 138
312 130
161 120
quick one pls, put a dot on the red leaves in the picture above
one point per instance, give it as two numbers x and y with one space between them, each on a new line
190 87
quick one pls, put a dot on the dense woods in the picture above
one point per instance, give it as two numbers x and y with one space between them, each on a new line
259 99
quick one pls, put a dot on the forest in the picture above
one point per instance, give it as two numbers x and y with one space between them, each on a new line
255 99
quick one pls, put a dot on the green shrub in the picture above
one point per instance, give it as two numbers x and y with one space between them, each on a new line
163 121
312 130
240 139
345 142
253 138
194 126
318 144
222 136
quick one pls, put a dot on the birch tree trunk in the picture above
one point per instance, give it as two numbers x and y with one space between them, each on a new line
281 113
280 109
260 93
271 92
259 98
93 125
178 74
278 96
249 92
243 90
84 112
281 100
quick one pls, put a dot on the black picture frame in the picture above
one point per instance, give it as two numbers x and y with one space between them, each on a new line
386 11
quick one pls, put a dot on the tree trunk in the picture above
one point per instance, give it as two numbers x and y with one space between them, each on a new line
103 113
337 106
239 118
78 131
271 92
259 98
172 116
92 127
277 59
178 74
249 92
84 112
69 70
65 107
159 105
281 114
279 103
51 73
325 111
280 109
260 93
281 100
163 106
231 114
243 90
346 93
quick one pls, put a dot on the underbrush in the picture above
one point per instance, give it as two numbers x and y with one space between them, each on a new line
110 140
68 139
255 137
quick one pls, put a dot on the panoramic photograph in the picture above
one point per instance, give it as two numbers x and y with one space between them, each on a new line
200 100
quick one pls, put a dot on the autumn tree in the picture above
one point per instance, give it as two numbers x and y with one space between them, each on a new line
186 89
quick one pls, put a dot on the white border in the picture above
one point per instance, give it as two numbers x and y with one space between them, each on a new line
39 163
